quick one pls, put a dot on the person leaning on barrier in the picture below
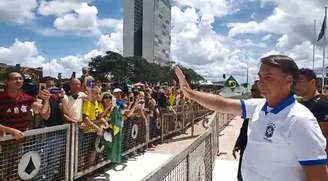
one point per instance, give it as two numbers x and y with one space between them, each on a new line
56 116
92 111
137 108
72 102
15 105
306 87
108 107
241 141
284 141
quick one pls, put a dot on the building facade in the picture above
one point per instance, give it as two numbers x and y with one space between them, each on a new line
147 29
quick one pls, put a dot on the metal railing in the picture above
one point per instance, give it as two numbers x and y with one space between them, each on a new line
63 152
196 162
137 133
42 155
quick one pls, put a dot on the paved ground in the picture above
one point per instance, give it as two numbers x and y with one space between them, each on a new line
226 166
139 167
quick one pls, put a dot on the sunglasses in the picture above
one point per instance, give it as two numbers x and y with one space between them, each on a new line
107 97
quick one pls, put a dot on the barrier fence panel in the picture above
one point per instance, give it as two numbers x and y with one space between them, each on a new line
66 153
154 128
134 135
42 155
86 154
197 161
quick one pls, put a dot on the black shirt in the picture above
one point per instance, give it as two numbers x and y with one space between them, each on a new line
318 105
55 113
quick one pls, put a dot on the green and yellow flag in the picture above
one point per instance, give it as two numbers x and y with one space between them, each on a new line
114 148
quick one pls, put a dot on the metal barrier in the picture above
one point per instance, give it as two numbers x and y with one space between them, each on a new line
197 161
66 153
42 155
137 133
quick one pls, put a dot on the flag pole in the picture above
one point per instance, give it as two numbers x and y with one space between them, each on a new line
324 53
314 42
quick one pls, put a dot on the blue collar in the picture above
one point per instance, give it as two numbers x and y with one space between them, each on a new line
290 100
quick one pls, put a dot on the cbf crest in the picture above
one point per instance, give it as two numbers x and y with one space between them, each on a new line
269 131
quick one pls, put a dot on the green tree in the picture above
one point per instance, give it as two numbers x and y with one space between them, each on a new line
136 69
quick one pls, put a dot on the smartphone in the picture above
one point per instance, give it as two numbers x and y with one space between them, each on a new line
88 84
55 90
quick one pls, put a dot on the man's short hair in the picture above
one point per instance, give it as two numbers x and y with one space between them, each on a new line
10 71
308 73
284 63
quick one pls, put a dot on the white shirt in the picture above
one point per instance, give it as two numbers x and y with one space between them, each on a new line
73 107
280 141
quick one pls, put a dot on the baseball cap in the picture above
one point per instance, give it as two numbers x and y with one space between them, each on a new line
116 90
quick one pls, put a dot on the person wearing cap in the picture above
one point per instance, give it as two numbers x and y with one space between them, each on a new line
306 87
284 139
117 93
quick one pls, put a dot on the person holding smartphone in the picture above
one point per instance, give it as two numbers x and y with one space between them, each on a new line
15 105
56 116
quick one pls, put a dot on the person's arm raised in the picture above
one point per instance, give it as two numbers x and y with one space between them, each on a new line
210 101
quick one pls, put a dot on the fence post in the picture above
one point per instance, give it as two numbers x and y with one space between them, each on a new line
72 151
183 119
192 121
162 128
147 129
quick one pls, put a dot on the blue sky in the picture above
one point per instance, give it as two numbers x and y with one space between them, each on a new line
211 36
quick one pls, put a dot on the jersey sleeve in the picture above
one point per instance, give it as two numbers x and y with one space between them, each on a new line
308 142
86 108
248 106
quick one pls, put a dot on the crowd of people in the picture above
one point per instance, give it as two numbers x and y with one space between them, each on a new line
283 136
84 101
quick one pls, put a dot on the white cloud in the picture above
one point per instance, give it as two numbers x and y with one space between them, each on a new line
113 41
241 28
193 40
17 11
24 53
58 7
82 19
292 20
217 8
195 44
266 37
27 54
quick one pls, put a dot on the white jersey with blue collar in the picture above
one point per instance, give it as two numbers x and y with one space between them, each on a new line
280 141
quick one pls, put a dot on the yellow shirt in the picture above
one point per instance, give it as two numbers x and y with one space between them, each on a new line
92 110
171 99
109 113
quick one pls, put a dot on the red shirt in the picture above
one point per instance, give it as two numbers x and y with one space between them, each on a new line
14 111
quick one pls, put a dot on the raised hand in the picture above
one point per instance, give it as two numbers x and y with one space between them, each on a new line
184 86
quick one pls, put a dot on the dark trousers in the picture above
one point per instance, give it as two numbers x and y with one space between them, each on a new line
239 175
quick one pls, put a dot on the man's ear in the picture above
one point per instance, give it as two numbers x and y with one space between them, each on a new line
290 79
313 82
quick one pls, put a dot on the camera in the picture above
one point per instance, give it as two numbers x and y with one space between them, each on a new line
55 90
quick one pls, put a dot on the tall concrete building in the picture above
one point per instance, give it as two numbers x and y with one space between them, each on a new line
147 29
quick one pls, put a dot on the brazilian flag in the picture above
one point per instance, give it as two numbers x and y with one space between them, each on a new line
114 148
231 82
